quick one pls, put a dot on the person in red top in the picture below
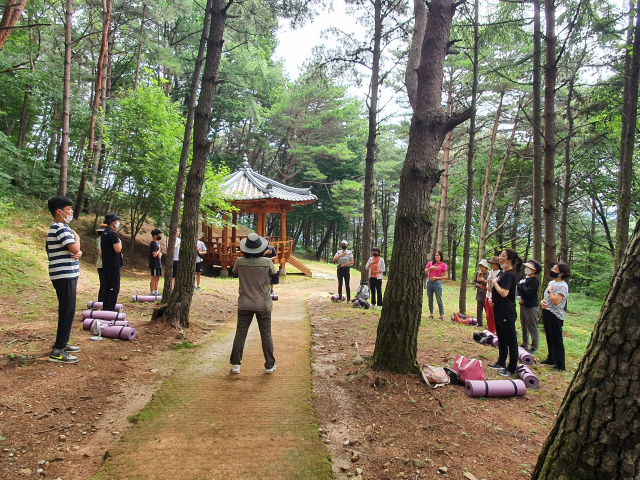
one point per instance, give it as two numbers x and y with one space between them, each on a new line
436 271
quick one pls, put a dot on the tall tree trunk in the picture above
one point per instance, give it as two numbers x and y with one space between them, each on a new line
106 19
24 119
144 12
184 156
180 303
397 335
464 274
446 150
564 207
367 212
325 240
595 435
549 139
627 142
536 124
12 12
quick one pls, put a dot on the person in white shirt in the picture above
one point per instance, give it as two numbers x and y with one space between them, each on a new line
176 257
376 268
201 249
344 258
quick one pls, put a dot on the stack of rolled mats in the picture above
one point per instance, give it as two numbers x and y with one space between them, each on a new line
98 305
525 357
115 324
527 376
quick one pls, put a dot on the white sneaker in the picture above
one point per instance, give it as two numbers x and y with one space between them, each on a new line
378 307
270 370
235 368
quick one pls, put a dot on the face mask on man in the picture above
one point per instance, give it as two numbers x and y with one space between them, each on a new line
554 274
68 218
376 254
527 270
159 237
344 247
117 224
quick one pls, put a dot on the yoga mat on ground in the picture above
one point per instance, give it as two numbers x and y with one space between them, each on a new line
527 376
146 298
104 315
98 305
525 357
495 388
116 331
87 323
494 341
336 298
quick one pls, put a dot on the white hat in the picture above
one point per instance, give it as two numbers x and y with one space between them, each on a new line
484 263
344 242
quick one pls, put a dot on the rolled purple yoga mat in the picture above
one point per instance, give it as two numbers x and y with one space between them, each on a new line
274 296
487 333
527 376
98 305
116 331
525 357
495 388
104 315
146 298
495 342
87 323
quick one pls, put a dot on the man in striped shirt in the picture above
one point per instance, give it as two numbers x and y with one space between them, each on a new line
63 250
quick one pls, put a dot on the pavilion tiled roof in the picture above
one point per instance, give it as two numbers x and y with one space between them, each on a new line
245 184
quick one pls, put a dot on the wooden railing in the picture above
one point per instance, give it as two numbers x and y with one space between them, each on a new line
225 254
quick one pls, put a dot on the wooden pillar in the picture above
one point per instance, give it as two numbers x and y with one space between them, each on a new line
233 228
283 238
260 218
223 247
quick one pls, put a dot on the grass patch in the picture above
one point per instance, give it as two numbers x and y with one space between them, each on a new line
185 345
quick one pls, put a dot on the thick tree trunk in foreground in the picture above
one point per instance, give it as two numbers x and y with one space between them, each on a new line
464 274
12 12
536 124
180 303
627 142
596 432
548 183
397 336
66 98
106 20
367 212
184 156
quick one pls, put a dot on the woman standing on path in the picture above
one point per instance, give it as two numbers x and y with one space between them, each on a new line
555 299
480 282
436 271
494 263
529 307
504 311
344 257
376 268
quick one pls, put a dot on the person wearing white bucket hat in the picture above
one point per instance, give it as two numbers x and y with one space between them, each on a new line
254 273
481 284
344 257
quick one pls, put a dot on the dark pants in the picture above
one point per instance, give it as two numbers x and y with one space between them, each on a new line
555 344
529 322
103 284
344 273
245 317
66 292
111 289
507 342
375 285
479 307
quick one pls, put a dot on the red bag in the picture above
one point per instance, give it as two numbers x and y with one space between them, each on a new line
468 369
464 319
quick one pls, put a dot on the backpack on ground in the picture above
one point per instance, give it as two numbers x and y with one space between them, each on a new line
464 319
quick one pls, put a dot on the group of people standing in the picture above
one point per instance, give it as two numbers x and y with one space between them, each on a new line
375 268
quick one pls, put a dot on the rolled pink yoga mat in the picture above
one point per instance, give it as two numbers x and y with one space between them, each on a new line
104 315
116 331
87 324
494 342
274 296
525 357
98 305
495 388
146 298
527 376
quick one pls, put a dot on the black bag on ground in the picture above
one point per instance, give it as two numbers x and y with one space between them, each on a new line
275 279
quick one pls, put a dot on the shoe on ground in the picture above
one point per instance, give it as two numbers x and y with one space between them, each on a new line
533 351
440 317
430 316
235 369
71 348
61 356
546 362
558 368
505 373
379 307
270 370
496 366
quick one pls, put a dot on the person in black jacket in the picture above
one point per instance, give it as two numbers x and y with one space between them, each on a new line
529 306
111 247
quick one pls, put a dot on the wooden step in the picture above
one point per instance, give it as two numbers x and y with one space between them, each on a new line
299 265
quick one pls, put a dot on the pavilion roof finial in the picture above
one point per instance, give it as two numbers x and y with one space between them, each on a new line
245 162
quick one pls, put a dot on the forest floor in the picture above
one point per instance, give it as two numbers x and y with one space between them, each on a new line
73 421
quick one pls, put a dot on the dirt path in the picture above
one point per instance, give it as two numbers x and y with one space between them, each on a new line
205 423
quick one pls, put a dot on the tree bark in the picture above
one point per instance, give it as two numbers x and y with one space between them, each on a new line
464 274
397 335
367 211
106 19
446 150
144 11
627 142
596 432
537 134
325 240
180 303
549 139
184 155
12 12
411 75
24 119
